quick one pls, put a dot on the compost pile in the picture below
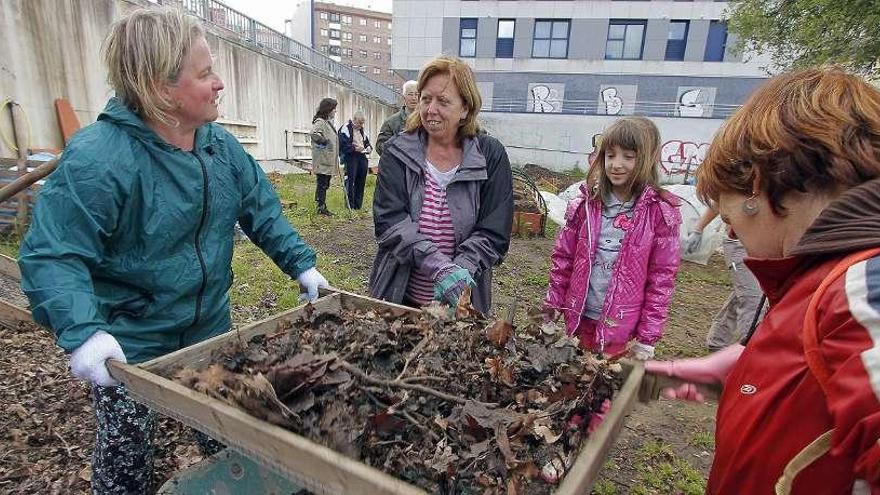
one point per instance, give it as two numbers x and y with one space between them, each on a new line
449 402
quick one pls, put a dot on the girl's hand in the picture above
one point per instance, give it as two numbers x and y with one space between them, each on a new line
642 352
549 314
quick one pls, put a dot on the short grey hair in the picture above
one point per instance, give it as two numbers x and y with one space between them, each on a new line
359 116
144 50
410 85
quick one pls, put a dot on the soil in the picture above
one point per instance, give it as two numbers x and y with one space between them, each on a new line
549 180
47 432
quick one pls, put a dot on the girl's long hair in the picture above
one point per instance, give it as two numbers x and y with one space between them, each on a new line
636 134
324 108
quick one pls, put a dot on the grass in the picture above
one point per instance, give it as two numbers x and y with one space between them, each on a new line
660 470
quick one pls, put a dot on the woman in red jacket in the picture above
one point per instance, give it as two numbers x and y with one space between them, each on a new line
796 174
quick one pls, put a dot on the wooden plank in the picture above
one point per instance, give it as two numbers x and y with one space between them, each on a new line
9 267
314 466
588 463
9 311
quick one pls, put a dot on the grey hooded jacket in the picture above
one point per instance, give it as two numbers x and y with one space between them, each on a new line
480 199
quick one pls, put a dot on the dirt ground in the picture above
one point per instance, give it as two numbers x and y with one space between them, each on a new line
47 432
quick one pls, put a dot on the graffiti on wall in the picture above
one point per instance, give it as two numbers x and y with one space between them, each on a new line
679 159
682 158
695 102
617 99
545 97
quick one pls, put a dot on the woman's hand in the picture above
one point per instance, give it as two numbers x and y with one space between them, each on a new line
310 281
88 360
451 283
713 368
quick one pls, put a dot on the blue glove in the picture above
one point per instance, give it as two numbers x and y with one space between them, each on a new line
451 284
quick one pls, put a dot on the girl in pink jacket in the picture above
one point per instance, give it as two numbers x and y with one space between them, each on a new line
613 267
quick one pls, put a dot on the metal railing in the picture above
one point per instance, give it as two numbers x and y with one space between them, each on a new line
252 32
594 107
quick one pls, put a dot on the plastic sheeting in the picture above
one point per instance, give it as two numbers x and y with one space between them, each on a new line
691 211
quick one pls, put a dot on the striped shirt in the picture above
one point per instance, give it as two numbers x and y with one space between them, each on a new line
435 223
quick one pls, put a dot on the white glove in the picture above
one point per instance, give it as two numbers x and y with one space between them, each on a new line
693 241
88 360
642 352
310 281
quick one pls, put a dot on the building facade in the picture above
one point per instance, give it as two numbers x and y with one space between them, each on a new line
554 74
663 58
355 37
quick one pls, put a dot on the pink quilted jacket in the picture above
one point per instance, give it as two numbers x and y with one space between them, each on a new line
643 278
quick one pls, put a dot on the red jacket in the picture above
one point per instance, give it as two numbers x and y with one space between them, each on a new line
773 416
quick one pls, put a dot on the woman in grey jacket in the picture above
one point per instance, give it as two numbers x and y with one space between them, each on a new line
443 205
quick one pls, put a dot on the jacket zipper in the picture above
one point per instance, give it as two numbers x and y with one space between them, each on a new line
589 265
198 243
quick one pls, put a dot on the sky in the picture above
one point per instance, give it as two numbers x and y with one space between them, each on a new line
273 12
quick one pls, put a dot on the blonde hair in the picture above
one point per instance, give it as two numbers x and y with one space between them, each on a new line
145 50
636 134
463 77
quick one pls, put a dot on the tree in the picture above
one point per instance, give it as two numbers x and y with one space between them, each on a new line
802 33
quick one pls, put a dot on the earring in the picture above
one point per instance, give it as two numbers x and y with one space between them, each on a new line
750 206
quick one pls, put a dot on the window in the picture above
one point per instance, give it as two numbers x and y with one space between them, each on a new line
677 40
717 42
625 40
334 17
377 55
377 39
551 39
362 38
334 33
334 50
389 41
390 72
377 71
362 22
346 36
324 32
364 54
323 16
467 46
504 43
363 69
389 26
346 19
324 48
377 24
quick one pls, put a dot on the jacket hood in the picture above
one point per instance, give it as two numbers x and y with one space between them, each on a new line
849 223
668 202
119 114
410 148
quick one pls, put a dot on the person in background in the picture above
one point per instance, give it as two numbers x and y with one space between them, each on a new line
735 318
795 173
355 147
394 124
613 267
325 151
443 207
129 253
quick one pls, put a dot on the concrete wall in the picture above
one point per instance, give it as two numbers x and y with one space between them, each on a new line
567 141
51 49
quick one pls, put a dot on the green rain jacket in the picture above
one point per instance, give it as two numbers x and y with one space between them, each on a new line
133 236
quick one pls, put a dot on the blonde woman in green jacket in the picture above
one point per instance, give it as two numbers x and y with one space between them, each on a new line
129 254
325 151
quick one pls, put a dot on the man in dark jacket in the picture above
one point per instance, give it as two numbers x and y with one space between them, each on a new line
394 124
354 147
